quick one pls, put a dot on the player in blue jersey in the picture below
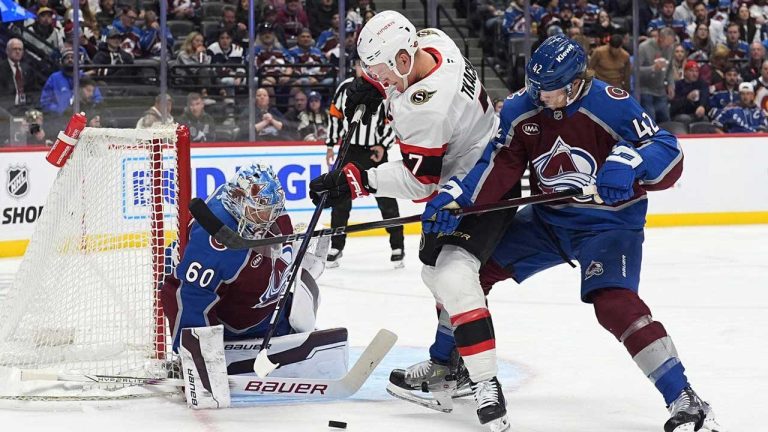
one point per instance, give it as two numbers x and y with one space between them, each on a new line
239 289
572 130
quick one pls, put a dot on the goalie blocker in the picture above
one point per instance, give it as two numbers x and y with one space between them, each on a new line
207 361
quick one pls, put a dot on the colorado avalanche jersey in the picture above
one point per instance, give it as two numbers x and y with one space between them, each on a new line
214 285
564 149
737 119
441 123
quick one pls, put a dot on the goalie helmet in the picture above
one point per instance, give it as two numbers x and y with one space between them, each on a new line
255 198
553 66
385 35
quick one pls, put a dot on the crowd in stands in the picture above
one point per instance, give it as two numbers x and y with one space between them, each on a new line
702 64
296 58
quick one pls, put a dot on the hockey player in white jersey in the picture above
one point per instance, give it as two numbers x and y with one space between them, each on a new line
442 119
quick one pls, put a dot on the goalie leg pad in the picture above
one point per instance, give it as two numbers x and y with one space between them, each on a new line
205 373
322 354
306 300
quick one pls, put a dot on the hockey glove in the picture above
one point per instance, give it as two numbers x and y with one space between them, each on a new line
616 178
362 91
342 185
436 219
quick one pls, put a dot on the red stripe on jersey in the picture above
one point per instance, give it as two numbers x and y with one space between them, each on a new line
432 195
473 315
439 59
477 348
426 179
414 149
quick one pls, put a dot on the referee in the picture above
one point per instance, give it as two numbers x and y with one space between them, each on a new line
368 147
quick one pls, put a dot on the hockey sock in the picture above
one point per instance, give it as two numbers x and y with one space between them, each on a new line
628 318
444 343
476 342
490 273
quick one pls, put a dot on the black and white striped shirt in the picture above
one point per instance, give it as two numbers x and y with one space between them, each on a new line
377 132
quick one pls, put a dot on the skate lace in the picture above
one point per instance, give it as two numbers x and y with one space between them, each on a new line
419 370
687 401
486 393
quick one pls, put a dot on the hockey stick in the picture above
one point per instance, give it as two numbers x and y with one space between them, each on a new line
263 365
240 385
226 236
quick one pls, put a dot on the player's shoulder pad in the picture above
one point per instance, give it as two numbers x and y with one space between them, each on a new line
516 106
611 105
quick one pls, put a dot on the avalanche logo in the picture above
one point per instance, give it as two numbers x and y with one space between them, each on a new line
595 269
565 167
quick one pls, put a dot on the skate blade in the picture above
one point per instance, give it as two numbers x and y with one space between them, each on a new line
710 425
442 404
462 392
499 425
398 264
331 264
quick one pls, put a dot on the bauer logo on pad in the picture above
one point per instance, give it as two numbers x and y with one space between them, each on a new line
17 181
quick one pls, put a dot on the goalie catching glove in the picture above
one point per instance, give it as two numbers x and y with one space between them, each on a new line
342 185
616 178
435 218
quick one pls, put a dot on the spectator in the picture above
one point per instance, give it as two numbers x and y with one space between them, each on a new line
36 136
721 15
298 106
691 96
96 115
701 14
304 53
751 71
270 17
357 12
293 20
57 94
225 51
761 87
313 120
269 121
746 117
657 82
193 53
202 127
368 15
189 10
153 117
350 50
106 14
272 60
228 22
725 93
47 29
329 38
112 54
718 64
242 12
611 63
649 11
125 24
666 19
498 104
749 31
699 47
759 11
150 36
684 12
17 82
604 28
513 25
585 11
89 43
678 61
322 13
737 48
87 16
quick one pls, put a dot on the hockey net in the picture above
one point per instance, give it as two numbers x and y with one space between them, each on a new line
85 298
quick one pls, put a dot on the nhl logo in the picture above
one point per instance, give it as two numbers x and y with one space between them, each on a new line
18 181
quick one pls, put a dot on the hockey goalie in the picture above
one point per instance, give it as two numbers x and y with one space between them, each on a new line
219 301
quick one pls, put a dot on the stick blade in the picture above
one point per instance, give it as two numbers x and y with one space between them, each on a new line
263 366
370 359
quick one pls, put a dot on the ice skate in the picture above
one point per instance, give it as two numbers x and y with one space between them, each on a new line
689 413
443 381
491 406
397 258
332 260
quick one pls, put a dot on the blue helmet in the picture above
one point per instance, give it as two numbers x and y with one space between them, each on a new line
554 65
255 198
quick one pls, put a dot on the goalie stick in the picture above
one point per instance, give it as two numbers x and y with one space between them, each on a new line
239 385
229 238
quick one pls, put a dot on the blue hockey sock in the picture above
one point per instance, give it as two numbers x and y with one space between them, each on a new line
443 346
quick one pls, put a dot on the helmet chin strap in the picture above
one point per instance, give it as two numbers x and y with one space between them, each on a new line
404 77
572 94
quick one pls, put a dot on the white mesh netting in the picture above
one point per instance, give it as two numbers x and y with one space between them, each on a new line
84 300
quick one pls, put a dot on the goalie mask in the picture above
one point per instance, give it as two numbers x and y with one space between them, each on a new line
255 198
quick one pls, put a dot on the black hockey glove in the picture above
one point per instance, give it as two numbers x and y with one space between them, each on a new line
362 92
342 185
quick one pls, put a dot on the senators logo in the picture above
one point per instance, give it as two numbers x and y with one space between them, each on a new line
420 97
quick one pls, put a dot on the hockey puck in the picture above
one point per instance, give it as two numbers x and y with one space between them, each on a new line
337 424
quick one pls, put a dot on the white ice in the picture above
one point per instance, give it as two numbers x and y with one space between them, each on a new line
562 371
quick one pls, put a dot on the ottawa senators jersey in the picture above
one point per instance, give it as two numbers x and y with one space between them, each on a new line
442 124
